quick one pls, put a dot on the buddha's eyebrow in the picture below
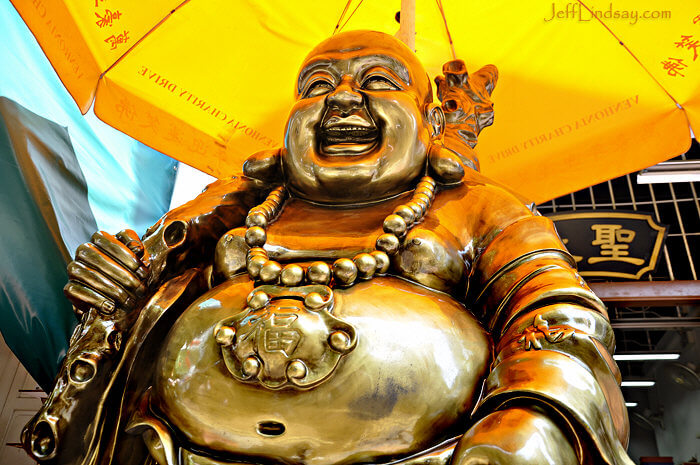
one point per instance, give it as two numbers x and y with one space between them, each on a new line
309 69
368 61
398 67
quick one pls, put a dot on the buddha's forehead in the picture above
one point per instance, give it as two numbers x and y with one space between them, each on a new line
357 50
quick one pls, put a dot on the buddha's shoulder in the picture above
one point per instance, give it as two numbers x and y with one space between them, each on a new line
236 183
479 191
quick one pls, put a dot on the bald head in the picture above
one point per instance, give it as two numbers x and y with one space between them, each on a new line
377 47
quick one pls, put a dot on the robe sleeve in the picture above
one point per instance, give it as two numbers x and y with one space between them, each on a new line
553 341
201 222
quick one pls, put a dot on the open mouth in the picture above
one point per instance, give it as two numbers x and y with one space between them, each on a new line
350 135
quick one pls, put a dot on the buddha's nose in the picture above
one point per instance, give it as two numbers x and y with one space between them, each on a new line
344 99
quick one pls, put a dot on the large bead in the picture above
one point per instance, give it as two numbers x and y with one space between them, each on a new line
418 209
382 260
428 180
255 264
424 190
425 185
292 275
405 212
395 225
256 219
255 236
270 272
319 273
388 243
257 251
422 198
268 209
344 271
366 265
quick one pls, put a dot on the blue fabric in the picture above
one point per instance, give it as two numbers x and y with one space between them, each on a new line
129 185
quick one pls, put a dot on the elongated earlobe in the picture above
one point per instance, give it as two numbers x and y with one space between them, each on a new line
264 166
436 118
444 165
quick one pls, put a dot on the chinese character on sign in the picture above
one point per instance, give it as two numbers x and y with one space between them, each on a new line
693 45
696 19
674 66
108 18
614 244
117 39
97 2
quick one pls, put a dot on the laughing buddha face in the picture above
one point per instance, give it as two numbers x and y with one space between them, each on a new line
361 126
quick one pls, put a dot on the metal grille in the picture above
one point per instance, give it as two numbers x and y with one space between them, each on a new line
675 204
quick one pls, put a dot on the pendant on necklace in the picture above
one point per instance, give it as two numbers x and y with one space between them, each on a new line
285 337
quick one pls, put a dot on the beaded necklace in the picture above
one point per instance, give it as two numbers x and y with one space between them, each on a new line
344 272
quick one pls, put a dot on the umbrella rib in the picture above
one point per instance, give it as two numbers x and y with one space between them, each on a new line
632 54
349 17
342 15
447 29
142 37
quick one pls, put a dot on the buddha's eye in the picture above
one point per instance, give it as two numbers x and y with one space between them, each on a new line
379 82
318 87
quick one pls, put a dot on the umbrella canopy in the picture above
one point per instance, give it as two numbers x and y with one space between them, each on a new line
584 95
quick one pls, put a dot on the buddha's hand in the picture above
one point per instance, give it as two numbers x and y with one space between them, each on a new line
514 436
108 273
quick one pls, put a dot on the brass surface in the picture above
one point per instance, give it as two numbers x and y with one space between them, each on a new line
409 383
365 296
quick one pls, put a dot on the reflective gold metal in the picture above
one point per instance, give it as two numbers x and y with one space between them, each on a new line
366 296
294 338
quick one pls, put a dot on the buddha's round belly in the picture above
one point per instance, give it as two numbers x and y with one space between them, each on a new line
409 383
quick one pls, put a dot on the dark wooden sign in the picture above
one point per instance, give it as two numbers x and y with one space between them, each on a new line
612 243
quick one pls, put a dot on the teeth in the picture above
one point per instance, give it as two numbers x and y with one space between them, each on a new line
348 128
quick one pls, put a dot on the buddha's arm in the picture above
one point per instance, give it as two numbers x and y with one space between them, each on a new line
67 429
202 221
553 341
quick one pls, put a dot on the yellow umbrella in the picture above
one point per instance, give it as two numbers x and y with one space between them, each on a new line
584 95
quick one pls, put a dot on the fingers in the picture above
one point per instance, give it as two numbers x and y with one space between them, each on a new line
93 257
120 252
129 238
95 280
107 273
83 298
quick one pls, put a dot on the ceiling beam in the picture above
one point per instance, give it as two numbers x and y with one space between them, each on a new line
648 293
652 324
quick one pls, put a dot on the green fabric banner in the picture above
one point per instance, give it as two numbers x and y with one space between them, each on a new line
43 204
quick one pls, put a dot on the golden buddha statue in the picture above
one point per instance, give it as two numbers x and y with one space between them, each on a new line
361 295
